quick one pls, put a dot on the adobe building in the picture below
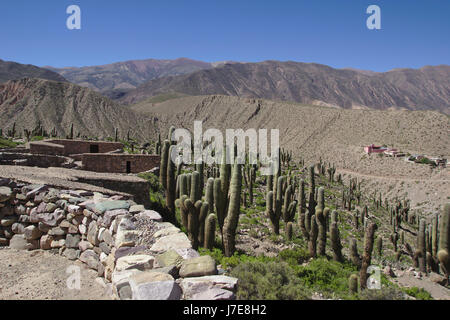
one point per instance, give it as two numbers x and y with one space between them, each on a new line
73 147
119 163
97 156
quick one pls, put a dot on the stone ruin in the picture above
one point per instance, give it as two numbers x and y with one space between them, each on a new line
97 156
138 256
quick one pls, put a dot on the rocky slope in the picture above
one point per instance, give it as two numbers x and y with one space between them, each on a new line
58 105
13 71
335 135
427 88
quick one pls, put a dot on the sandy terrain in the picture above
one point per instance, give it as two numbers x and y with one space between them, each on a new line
41 275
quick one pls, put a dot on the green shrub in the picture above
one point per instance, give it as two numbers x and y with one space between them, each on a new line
269 281
419 294
294 257
5 143
234 260
328 277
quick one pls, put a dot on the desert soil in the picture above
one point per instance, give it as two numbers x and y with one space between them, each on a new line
42 275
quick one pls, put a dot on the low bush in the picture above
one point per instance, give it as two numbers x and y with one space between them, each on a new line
269 281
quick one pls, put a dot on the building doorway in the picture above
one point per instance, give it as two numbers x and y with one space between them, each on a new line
94 148
128 167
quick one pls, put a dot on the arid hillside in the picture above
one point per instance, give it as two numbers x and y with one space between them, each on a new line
58 104
335 135
427 88
12 71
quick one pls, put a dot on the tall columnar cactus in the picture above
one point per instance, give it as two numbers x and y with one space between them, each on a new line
193 222
204 211
302 210
232 218
444 245
353 283
394 239
367 256
184 213
116 135
71 132
209 194
171 186
289 231
225 174
321 198
210 229
199 167
269 184
322 233
165 156
354 255
312 244
195 187
270 212
421 247
356 219
336 242
278 205
379 246
334 216
327 216
434 235
287 202
312 190
363 216
219 202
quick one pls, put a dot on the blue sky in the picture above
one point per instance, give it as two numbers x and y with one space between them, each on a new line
332 32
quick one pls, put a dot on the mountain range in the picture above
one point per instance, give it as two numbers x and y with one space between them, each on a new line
427 88
119 77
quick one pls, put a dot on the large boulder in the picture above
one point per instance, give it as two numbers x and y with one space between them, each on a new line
32 232
18 242
209 288
154 286
173 241
5 194
120 283
197 267
169 258
90 258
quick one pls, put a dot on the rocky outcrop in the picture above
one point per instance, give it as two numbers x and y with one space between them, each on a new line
138 256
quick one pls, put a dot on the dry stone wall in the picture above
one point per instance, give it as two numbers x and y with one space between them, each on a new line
137 255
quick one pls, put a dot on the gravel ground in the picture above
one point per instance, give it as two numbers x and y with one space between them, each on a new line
42 275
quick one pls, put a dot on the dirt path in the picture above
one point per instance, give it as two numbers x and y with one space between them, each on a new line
41 275
437 291
391 178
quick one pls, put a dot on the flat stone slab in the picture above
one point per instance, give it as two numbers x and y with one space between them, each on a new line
152 215
140 262
103 206
174 241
